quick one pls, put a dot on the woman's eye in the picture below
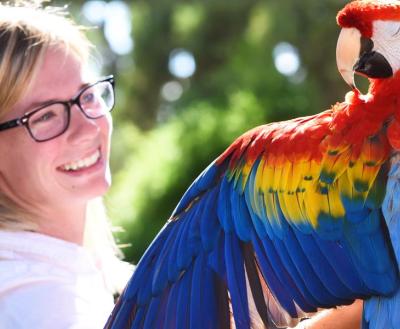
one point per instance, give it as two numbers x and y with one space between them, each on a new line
87 98
45 117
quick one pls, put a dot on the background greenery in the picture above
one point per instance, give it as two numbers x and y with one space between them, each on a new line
160 146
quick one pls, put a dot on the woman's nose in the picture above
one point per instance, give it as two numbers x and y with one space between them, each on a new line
81 128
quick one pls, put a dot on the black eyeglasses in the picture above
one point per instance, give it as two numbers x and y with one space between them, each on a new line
52 119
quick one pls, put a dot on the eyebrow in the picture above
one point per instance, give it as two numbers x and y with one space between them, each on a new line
35 105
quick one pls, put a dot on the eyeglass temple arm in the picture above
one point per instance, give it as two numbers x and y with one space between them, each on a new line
10 124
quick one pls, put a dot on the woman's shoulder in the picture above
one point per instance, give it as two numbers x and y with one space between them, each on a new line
37 253
45 282
27 258
44 303
15 273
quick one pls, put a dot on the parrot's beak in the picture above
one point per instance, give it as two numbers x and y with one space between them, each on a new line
356 54
347 54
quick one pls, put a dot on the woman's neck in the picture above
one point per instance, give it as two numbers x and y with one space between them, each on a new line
66 224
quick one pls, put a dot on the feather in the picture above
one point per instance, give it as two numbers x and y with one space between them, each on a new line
201 184
322 268
287 273
171 306
315 286
151 314
160 275
210 228
199 285
216 259
223 305
186 248
139 318
255 284
183 300
236 281
287 220
256 209
241 216
224 206
335 254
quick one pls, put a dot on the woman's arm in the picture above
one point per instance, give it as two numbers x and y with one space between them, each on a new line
344 317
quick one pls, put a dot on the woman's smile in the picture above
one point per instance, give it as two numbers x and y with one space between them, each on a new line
83 163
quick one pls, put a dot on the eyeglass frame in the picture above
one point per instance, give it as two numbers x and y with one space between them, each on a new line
23 121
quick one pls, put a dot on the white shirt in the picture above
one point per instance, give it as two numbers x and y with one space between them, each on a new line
49 283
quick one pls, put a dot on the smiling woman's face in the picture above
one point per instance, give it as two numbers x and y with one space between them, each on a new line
42 174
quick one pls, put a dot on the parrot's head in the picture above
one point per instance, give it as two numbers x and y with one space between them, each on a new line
369 43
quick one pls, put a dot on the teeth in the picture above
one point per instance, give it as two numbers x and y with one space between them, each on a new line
82 163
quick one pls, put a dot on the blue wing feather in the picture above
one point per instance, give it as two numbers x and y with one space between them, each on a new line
171 306
183 306
241 216
197 288
185 251
224 210
225 248
153 312
321 267
210 228
306 271
139 319
279 281
236 281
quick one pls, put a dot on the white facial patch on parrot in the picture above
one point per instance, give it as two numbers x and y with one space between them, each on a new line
386 38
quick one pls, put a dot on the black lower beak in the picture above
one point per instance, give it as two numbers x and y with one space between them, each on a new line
373 65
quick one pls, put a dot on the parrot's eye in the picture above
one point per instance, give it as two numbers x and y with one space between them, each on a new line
397 32
392 29
366 45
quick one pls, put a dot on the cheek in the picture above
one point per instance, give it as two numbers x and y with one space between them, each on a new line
25 171
18 149
105 124
109 123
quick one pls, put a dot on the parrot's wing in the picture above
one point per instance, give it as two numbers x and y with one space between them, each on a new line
287 220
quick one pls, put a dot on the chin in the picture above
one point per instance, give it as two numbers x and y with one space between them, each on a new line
90 190
98 189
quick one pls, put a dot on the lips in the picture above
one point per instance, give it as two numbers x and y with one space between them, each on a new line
83 163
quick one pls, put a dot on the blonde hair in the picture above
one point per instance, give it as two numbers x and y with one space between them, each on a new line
27 30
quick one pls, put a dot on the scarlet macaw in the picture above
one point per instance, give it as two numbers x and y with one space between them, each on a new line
294 216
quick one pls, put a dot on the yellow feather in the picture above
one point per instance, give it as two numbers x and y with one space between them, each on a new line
312 204
259 179
336 163
292 209
270 207
277 177
346 188
298 170
258 188
286 176
336 208
369 173
283 206
246 172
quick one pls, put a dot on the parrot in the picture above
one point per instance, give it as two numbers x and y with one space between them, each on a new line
294 216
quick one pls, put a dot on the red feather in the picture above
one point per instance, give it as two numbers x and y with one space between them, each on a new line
360 14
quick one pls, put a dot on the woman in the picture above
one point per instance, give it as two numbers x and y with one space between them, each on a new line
345 317
55 129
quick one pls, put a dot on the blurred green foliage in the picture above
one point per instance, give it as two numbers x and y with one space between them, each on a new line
159 147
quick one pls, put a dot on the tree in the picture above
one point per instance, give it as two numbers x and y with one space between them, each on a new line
160 146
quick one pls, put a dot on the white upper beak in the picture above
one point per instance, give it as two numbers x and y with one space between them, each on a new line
347 53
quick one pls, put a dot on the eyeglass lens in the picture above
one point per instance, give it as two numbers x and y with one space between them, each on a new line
53 120
97 100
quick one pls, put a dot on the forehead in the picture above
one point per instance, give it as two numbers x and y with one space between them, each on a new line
58 71
59 76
